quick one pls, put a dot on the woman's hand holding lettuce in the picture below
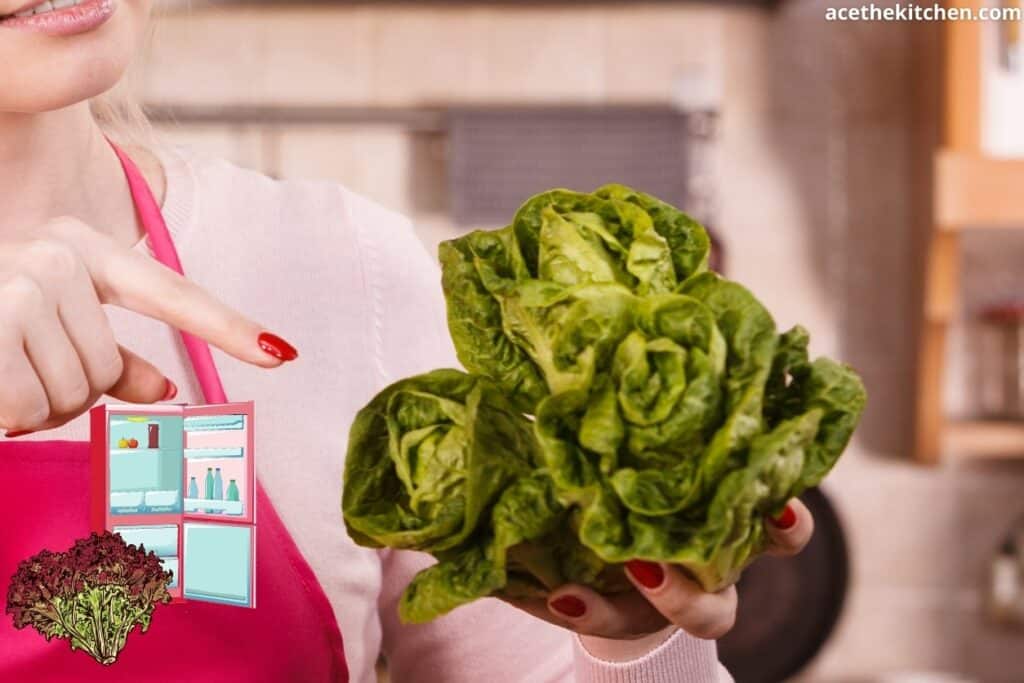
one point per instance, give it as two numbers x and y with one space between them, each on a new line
623 403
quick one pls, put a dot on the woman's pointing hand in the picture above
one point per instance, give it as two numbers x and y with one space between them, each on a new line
58 353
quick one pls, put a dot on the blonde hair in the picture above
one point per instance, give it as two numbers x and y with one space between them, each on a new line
122 119
119 111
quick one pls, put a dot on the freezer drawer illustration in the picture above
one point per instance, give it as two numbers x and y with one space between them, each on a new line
180 480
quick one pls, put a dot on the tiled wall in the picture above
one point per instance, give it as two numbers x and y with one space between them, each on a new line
820 168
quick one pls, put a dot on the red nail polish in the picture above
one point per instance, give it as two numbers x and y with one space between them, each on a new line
170 391
17 432
277 347
648 574
785 520
570 606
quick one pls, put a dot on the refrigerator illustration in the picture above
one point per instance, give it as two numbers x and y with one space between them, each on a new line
181 480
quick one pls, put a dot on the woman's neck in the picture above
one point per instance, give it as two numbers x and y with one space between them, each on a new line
59 164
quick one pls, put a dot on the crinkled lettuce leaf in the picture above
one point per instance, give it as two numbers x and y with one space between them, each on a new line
474 269
428 456
527 550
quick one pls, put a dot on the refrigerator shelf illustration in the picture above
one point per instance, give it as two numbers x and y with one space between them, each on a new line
181 480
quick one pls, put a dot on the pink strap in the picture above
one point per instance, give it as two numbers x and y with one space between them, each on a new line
163 248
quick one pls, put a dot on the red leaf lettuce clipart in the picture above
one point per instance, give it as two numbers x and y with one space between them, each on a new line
93 595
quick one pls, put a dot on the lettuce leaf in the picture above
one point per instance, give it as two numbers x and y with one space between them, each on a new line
426 458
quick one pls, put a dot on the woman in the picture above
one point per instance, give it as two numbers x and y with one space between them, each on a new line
350 285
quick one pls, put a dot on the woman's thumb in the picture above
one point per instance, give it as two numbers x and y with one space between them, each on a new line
141 382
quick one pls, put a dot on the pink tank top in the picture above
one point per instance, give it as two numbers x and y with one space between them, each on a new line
292 634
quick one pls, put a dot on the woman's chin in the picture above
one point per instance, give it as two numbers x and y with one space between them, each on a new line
36 96
45 73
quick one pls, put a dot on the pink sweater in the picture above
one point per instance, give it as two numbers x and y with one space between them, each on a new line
351 286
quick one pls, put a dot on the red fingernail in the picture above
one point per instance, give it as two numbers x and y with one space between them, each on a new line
648 574
18 432
570 606
170 391
277 347
785 520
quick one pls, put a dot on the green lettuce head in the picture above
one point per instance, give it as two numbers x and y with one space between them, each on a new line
536 306
622 403
441 463
705 422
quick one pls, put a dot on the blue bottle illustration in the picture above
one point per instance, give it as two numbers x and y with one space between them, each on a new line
208 487
232 495
193 489
218 487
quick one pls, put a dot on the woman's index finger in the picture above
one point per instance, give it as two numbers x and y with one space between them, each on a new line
130 279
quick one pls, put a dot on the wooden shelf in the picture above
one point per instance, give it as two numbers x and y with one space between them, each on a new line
984 438
973 191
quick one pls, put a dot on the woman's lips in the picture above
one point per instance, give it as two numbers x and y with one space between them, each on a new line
81 18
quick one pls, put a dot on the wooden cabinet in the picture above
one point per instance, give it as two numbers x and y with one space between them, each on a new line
971 191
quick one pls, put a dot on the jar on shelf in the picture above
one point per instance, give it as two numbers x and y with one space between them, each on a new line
1002 388
1004 590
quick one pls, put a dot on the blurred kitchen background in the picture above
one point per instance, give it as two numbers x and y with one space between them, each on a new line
808 147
